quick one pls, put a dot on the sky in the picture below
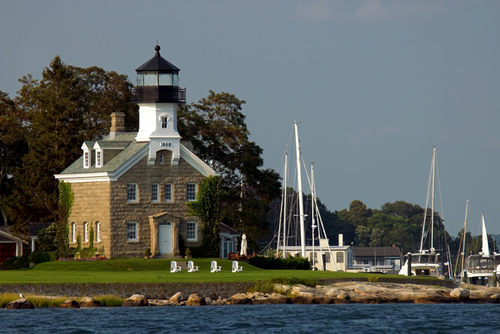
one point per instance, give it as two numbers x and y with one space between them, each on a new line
372 84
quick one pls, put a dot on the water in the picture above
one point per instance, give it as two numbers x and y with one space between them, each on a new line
351 318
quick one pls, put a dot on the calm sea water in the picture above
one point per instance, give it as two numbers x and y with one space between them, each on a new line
353 318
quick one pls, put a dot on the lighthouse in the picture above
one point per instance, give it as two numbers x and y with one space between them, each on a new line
158 93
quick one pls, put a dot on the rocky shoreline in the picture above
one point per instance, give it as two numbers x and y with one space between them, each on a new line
337 293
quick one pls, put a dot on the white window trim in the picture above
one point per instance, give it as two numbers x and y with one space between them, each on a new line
98 158
195 224
86 158
157 192
85 232
171 199
136 199
136 232
195 192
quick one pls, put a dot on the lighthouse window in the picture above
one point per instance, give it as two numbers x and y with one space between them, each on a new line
165 79
140 79
175 81
150 79
164 122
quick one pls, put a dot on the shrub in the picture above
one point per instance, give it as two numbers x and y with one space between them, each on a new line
297 263
40 257
197 252
17 262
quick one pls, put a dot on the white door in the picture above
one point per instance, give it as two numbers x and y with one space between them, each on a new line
165 237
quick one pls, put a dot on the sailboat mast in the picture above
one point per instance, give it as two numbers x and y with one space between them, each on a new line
299 188
285 213
486 246
433 200
464 236
313 226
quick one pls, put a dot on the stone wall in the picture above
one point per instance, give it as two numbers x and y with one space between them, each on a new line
106 202
91 205
166 290
125 290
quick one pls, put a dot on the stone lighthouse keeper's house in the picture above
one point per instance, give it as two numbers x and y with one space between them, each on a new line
133 188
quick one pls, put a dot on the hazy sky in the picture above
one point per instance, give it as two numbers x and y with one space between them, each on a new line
373 84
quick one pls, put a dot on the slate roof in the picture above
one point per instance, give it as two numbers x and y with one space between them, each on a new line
6 236
370 252
36 227
124 139
223 228
158 64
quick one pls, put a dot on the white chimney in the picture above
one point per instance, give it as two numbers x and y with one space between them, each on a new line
341 239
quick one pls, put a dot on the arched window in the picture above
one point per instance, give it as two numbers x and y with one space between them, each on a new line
85 232
164 122
73 232
98 231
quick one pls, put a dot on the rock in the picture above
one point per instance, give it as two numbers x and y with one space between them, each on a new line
460 294
256 295
90 302
299 289
495 297
19 304
196 300
136 300
70 303
272 299
283 288
177 298
239 298
332 292
343 295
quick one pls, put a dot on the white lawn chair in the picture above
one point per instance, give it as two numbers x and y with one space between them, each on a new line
174 268
214 268
192 268
236 268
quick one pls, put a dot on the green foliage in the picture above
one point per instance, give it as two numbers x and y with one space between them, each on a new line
17 262
198 251
47 238
294 281
12 147
206 207
296 263
182 245
110 300
147 252
78 243
41 257
68 106
91 237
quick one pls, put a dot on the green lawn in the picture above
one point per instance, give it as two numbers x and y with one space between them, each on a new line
153 271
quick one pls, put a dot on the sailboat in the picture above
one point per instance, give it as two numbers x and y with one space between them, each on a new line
481 267
321 255
427 261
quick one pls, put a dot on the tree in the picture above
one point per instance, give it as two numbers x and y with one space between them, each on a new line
206 207
216 127
68 106
12 145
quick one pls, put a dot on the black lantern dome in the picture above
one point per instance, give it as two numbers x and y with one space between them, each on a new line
158 81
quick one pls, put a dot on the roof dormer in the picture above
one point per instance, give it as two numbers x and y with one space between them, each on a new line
87 148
